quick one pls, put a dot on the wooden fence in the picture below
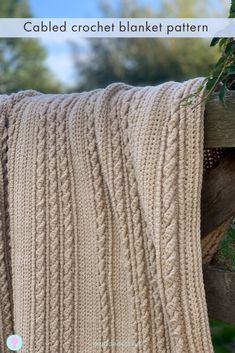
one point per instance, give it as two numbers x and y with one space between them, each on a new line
218 202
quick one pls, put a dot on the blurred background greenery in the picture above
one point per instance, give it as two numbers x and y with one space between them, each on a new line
137 61
98 62
22 61
142 61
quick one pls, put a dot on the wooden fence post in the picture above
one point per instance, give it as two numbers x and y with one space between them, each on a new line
218 202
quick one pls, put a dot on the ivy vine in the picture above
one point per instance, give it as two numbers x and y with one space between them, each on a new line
222 76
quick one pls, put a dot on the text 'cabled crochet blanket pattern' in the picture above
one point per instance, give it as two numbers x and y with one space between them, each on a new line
100 248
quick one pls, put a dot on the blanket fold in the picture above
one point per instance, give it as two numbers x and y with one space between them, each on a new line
100 247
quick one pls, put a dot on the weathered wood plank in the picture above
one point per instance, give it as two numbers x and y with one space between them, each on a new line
220 289
218 194
218 203
220 122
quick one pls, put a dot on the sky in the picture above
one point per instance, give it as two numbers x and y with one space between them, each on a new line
62 8
72 8
59 57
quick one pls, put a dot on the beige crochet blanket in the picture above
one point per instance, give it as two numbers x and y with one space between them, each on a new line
100 245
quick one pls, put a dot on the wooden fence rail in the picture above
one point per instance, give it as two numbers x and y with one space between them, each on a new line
218 202
220 122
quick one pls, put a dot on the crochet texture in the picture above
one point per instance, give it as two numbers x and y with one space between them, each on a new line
100 246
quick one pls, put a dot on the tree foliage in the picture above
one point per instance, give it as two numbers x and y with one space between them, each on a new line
22 61
222 76
142 61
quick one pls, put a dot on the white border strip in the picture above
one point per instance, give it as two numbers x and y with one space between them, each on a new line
116 27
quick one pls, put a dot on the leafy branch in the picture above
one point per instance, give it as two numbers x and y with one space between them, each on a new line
222 76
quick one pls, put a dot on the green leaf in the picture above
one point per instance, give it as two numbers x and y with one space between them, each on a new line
219 66
222 42
222 92
211 82
230 47
232 8
221 61
214 41
231 70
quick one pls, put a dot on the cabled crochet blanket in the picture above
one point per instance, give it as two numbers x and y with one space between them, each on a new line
100 246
